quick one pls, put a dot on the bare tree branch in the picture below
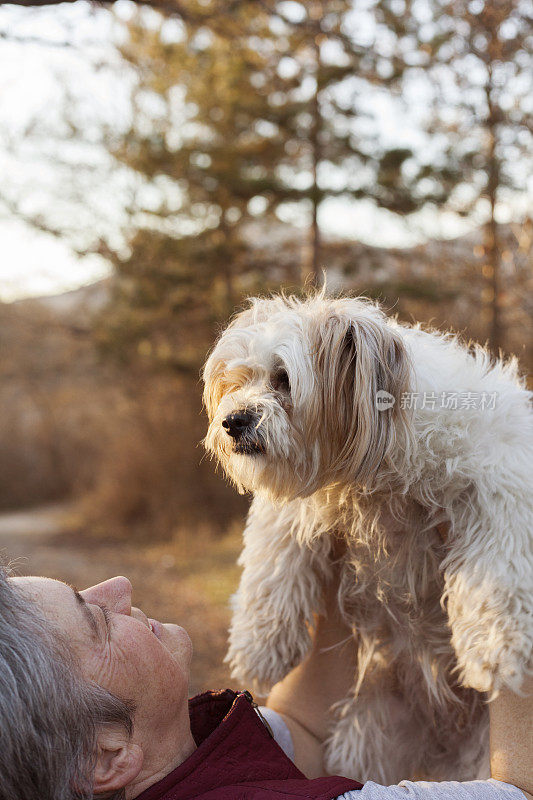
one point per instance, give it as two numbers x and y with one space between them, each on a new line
8 37
174 6
177 8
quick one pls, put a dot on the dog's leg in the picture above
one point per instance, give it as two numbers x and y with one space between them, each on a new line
452 742
279 593
489 578
387 735
373 737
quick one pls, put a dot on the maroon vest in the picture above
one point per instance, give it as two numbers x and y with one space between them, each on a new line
237 759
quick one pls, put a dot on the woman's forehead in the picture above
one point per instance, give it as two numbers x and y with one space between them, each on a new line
64 606
56 599
38 585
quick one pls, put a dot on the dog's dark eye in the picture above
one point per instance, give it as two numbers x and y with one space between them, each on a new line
280 381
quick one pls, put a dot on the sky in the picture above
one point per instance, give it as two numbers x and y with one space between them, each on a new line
40 50
33 62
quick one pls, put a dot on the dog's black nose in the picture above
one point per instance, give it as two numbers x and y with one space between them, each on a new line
236 424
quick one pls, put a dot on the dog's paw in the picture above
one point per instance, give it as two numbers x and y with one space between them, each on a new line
494 657
489 669
260 656
257 670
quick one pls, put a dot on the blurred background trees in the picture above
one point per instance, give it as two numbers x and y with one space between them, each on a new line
478 55
246 116
245 128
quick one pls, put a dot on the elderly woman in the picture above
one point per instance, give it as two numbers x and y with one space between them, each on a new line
93 703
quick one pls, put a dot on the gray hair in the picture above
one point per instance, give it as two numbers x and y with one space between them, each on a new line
49 716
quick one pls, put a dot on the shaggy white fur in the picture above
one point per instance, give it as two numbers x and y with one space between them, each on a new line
352 426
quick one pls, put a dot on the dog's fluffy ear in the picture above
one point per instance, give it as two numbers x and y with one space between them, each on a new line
230 344
364 368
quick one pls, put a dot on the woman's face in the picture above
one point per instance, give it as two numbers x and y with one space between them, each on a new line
137 659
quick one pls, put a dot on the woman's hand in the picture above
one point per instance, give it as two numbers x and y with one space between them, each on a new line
511 738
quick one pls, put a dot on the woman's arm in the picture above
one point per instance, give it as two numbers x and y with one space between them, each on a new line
511 738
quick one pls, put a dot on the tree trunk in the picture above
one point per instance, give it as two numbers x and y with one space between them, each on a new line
227 265
493 250
315 266
313 270
492 243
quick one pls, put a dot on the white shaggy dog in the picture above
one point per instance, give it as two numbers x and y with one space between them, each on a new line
348 425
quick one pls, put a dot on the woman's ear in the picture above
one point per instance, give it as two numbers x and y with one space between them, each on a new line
118 760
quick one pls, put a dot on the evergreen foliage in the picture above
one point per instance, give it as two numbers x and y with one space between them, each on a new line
246 115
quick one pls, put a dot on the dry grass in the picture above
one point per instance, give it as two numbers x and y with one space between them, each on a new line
153 474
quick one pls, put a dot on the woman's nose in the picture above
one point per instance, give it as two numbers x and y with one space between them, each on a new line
114 593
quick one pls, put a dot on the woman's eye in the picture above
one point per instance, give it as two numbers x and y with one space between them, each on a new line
280 381
107 618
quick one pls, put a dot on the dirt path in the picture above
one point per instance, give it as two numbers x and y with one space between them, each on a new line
34 522
187 580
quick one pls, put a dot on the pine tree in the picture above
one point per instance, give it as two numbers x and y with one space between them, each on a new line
269 113
203 152
265 107
316 95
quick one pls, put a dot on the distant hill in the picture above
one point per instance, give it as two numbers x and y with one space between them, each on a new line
442 282
76 305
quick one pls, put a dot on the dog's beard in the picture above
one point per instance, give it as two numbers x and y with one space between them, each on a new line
246 447
271 459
